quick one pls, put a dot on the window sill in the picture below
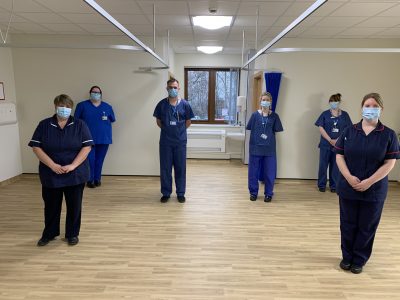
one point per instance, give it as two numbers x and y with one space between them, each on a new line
216 126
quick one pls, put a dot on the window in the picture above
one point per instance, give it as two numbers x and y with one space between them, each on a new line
212 94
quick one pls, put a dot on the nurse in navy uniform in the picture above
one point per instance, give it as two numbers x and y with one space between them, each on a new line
263 124
173 116
366 153
331 123
62 144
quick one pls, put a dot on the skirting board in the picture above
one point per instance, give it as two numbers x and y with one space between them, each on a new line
10 180
213 155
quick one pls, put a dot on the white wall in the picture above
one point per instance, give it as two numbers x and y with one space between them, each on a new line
10 155
41 74
307 82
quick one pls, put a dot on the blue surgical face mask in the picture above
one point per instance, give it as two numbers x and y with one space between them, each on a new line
371 113
95 96
63 112
173 93
334 105
265 103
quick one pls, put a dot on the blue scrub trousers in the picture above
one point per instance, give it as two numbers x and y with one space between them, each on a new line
268 164
53 198
359 221
173 156
96 159
327 158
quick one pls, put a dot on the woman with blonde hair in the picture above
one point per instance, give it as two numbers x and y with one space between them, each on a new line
263 124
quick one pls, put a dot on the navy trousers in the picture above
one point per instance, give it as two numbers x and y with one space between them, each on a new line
327 158
53 198
359 221
173 156
96 159
268 164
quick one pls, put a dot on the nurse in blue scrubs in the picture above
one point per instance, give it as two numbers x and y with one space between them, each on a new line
173 116
331 124
263 125
366 153
98 115
62 144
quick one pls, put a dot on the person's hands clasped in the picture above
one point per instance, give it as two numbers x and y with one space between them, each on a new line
333 142
58 169
68 168
353 181
363 185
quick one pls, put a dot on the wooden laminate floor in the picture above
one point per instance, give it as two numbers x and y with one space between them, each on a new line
218 245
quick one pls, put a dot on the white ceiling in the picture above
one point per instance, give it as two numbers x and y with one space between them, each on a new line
335 19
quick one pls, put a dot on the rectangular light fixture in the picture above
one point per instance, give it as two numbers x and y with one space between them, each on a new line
212 22
209 49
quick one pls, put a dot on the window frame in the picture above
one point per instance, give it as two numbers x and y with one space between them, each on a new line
211 91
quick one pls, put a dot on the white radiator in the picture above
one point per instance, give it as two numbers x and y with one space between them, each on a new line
206 140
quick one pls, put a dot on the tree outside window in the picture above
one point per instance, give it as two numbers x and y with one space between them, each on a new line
212 94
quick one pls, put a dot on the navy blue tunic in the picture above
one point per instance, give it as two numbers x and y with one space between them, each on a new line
263 126
62 146
173 121
364 155
98 119
333 126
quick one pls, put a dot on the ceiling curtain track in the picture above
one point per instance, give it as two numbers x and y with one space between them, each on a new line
317 4
114 22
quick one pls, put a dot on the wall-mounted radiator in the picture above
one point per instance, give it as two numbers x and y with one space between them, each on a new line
206 140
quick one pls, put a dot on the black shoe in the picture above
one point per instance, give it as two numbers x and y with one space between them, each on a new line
43 241
181 199
73 241
164 199
253 197
267 198
97 183
90 184
356 269
333 190
344 265
322 190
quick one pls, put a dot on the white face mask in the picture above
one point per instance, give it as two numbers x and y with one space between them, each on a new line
95 96
63 112
265 104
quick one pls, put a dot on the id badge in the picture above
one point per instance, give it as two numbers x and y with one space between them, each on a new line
104 118
172 123
264 136
335 129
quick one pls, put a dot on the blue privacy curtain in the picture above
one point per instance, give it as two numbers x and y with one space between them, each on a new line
272 82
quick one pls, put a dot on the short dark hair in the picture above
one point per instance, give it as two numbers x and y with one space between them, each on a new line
374 96
64 100
172 80
335 98
95 87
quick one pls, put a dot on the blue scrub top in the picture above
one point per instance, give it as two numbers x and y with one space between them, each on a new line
62 146
173 121
364 155
263 127
98 119
333 126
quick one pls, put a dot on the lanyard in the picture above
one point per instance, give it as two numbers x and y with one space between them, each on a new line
264 123
175 112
